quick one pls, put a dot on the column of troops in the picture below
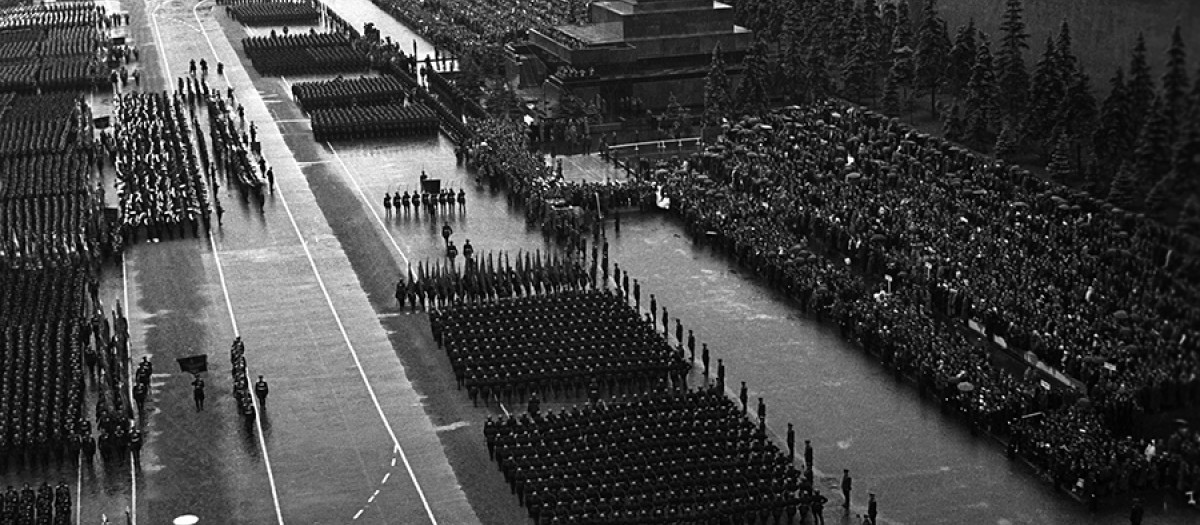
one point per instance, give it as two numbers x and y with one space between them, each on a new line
236 150
274 13
159 185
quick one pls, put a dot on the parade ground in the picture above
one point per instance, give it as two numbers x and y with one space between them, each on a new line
364 423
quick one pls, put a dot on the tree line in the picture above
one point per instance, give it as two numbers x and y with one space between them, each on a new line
1139 147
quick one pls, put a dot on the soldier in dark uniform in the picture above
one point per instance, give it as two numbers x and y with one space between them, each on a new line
691 343
462 200
704 358
387 204
401 292
261 390
198 393
447 231
139 395
653 309
847 484
468 250
872 508
817 503
791 442
678 331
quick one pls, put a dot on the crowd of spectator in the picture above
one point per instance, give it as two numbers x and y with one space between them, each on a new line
916 232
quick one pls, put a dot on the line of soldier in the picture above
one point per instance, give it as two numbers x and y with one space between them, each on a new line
442 201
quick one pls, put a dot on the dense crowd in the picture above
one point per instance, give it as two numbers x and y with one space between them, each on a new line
555 344
45 506
668 456
236 150
274 13
338 92
388 120
934 233
159 184
304 53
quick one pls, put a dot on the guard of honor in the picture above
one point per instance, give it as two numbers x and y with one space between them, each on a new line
488 278
443 201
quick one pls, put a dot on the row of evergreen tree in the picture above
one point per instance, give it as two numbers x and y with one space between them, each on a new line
1140 146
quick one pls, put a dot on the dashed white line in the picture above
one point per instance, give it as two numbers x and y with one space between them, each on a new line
345 337
385 479
359 513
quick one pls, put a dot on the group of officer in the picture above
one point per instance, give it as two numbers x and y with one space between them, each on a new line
387 120
555 344
442 201
45 506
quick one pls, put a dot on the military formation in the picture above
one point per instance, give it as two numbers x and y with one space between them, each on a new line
341 92
44 506
274 13
160 188
488 277
51 47
362 122
304 54
668 456
555 345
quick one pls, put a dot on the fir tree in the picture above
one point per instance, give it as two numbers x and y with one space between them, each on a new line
1141 84
1061 167
1046 95
962 57
1068 65
902 70
1115 133
716 89
858 73
795 76
1152 156
752 92
820 85
1124 191
1175 79
870 24
1077 118
1189 217
1185 164
891 94
1007 141
1010 59
933 48
980 102
953 127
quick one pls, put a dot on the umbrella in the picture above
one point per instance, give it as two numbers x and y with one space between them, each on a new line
1121 315
853 175
965 386
980 192
878 237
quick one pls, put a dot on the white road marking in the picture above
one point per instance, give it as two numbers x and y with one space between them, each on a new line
132 465
367 201
345 337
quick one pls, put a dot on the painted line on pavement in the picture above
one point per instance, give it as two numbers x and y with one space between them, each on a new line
367 201
79 487
345 336
125 308
221 274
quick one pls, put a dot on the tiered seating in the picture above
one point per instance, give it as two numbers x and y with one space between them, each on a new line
662 457
556 343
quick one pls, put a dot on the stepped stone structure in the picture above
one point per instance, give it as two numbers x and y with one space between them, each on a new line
641 48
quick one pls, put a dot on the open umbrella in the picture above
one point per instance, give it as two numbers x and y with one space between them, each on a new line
854 175
1121 315
966 386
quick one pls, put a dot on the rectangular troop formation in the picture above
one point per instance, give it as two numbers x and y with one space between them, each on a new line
304 54
274 13
51 47
364 91
556 344
661 457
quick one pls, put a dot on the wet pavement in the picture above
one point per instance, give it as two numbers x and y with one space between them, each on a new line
307 283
